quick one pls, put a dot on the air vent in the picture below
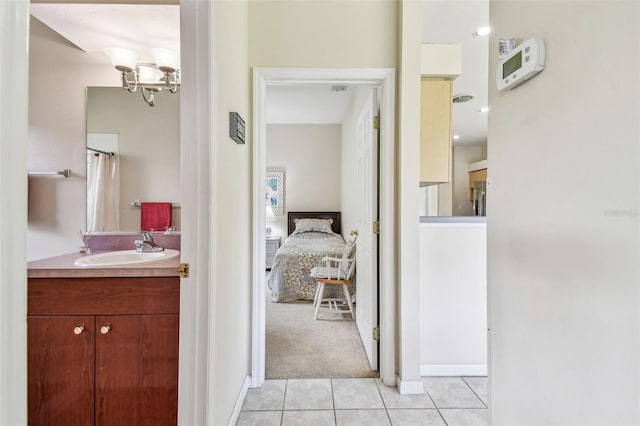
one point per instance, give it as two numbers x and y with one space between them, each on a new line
462 98
338 88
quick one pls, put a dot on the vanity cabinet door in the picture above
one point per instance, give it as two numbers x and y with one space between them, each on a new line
137 370
60 364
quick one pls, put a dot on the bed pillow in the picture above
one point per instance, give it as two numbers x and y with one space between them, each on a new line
316 225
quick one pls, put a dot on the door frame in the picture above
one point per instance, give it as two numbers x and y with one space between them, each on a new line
384 78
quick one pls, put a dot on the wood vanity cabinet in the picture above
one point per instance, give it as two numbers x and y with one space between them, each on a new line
103 351
435 131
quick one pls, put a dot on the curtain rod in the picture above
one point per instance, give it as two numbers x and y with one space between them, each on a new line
101 152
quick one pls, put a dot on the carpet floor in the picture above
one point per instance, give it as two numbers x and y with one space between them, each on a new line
297 347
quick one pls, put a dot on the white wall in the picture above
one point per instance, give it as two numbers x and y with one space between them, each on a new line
563 223
14 19
59 73
453 299
231 239
322 34
149 147
310 156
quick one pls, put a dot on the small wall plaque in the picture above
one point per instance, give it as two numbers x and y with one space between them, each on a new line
236 127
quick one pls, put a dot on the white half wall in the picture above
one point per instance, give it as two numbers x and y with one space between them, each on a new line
310 156
564 222
453 299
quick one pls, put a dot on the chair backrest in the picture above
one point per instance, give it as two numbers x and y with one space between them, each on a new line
345 270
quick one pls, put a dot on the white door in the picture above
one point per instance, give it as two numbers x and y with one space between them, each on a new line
367 244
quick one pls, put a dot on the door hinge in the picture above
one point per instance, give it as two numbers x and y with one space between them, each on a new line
376 227
376 122
376 334
183 270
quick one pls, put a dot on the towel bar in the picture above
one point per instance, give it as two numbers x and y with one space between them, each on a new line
136 204
66 173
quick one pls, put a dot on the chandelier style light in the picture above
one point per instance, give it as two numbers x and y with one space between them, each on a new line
151 78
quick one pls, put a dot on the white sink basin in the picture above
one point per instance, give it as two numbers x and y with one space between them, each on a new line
125 258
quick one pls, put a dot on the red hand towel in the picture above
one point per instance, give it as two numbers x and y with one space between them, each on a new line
155 216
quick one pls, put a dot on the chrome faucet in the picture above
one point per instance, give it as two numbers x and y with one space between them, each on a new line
146 244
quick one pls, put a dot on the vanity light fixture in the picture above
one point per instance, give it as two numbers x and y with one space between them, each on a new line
151 78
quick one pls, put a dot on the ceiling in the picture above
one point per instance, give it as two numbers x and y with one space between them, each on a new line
138 27
309 104
455 22
92 27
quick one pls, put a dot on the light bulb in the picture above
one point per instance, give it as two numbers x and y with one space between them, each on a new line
167 60
122 59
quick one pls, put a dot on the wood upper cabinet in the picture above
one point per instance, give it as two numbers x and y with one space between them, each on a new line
435 131
103 351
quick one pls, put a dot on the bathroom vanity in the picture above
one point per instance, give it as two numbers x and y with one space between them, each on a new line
102 343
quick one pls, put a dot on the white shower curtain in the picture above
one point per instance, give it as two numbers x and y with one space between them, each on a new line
102 192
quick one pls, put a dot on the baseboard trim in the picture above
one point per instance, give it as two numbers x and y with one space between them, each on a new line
240 401
409 387
453 369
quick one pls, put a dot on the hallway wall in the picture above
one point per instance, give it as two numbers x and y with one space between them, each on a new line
563 225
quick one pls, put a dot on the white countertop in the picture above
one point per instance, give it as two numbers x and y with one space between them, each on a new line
63 267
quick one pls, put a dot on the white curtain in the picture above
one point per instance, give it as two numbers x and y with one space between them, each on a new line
102 192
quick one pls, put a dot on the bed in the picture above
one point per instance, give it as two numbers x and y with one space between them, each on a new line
289 279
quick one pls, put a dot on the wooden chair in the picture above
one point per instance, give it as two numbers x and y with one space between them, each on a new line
337 271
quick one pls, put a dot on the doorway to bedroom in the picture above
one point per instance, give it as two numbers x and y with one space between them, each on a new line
376 300
313 174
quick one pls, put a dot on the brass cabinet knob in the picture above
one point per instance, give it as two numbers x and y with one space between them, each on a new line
105 329
79 329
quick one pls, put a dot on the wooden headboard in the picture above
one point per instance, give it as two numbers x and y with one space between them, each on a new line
336 226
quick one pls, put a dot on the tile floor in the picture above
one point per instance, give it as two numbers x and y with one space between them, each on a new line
449 401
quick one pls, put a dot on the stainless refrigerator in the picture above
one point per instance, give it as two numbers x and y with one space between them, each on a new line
480 198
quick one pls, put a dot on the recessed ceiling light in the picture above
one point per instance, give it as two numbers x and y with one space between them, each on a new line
482 31
456 137
483 109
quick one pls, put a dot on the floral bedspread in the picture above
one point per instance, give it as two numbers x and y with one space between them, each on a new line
290 280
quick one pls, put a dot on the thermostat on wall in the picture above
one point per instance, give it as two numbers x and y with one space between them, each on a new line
521 64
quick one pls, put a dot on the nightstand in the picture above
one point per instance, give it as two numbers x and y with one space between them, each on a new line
273 244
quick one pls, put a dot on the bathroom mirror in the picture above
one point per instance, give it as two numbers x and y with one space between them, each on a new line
145 165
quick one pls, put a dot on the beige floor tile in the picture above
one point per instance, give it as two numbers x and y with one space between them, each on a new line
308 394
356 394
412 417
362 418
479 386
465 417
268 397
309 418
451 392
393 399
259 418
